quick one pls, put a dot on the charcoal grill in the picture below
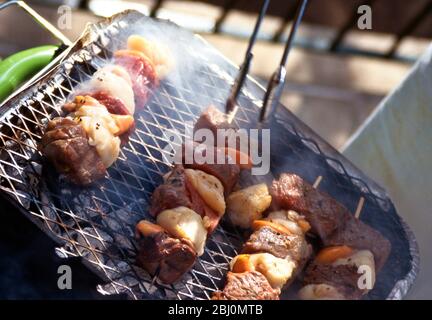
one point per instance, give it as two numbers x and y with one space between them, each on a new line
97 223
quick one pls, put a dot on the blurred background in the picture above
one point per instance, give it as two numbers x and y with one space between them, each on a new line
337 76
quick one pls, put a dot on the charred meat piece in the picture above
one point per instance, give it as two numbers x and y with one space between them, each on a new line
212 119
281 245
323 212
329 219
343 278
335 274
172 193
356 234
227 172
162 254
141 71
65 145
250 285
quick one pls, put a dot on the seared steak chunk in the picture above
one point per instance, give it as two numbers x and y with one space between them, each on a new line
323 212
343 277
212 119
172 193
227 172
329 219
281 245
66 146
356 234
250 285
160 253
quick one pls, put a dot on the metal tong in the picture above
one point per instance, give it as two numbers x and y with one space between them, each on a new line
277 80
231 104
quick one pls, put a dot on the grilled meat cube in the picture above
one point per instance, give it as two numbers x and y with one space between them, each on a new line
160 253
251 285
356 234
343 278
281 245
212 119
323 212
184 223
329 219
334 274
172 193
65 145
227 172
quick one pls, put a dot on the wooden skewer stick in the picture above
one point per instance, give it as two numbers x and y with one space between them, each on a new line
317 182
359 207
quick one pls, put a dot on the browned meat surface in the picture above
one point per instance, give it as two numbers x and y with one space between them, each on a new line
159 253
329 219
357 234
142 73
212 119
171 194
227 172
343 277
323 212
247 286
266 239
66 146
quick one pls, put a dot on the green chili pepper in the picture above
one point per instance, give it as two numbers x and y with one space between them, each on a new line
21 66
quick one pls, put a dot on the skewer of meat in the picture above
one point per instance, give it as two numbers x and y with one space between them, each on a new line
273 255
348 243
334 273
330 220
188 207
100 118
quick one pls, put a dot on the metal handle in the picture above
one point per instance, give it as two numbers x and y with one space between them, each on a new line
277 81
39 19
231 104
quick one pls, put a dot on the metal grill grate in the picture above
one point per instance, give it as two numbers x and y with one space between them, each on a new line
97 223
